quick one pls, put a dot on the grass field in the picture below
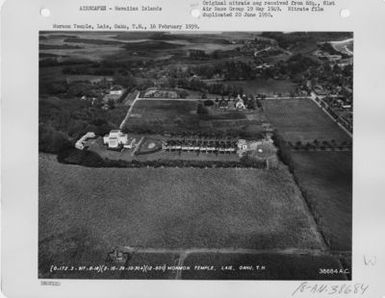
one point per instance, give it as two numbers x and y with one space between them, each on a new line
165 114
326 177
165 109
84 211
302 120
180 115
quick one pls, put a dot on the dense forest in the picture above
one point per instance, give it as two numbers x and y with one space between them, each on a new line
63 121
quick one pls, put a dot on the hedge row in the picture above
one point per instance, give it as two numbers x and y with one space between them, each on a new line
92 159
284 153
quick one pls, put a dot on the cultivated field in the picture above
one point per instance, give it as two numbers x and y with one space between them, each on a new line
164 109
159 116
326 177
302 120
85 212
165 114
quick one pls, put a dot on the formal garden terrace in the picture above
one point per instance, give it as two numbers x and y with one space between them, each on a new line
138 150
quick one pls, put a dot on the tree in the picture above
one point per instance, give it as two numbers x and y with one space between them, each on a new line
51 140
201 109
127 81
208 103
283 151
183 94
111 104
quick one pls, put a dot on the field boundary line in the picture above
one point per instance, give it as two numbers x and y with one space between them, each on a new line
311 216
331 117
286 97
168 99
129 111
320 150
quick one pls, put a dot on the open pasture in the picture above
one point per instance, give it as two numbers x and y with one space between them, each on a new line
302 120
167 115
163 115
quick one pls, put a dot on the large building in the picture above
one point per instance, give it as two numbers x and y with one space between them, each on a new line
116 140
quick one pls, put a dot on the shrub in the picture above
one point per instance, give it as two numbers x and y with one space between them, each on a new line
208 103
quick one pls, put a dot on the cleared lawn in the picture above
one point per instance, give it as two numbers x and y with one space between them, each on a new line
94 210
181 115
302 120
326 178
153 109
164 113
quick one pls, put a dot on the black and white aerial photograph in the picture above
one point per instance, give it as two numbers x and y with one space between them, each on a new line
195 155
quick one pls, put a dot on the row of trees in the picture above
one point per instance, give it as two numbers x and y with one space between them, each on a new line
284 154
217 54
92 159
332 144
196 84
216 132
294 67
228 70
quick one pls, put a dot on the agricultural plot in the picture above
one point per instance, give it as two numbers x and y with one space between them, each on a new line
224 115
163 109
326 179
83 209
165 114
160 115
302 120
